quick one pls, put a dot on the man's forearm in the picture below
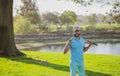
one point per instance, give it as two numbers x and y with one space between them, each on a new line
86 48
66 48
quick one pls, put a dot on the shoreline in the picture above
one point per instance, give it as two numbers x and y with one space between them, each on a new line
38 44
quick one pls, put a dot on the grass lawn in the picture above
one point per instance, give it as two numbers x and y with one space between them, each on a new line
57 64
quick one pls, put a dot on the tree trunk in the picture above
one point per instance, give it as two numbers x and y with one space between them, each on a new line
7 43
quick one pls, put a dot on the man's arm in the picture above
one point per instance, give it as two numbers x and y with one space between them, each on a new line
66 48
86 48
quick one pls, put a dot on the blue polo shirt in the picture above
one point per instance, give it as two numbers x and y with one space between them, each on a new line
76 49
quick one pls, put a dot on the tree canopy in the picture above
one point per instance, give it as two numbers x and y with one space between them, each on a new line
29 10
68 17
115 11
52 18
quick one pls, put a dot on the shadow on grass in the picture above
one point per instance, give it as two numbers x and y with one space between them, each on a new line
35 61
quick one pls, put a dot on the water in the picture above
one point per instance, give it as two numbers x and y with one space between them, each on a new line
102 48
105 48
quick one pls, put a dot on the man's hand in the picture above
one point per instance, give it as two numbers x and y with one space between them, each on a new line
69 41
90 42
86 48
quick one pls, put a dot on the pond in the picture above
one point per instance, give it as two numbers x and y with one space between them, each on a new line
102 48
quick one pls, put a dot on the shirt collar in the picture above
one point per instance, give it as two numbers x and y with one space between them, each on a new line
76 38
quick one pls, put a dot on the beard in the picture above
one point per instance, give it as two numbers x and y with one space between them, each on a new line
76 35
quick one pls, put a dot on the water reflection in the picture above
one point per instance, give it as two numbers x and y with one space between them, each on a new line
102 48
105 48
56 48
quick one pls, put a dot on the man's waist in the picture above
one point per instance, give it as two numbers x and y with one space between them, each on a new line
80 59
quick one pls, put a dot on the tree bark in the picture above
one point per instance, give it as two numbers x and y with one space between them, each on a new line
7 43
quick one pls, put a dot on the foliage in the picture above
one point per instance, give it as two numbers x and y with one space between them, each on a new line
115 11
107 27
116 18
113 27
91 19
51 18
114 3
57 64
30 10
68 17
43 26
50 21
23 26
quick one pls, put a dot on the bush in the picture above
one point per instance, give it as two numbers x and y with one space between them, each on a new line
23 26
107 27
43 26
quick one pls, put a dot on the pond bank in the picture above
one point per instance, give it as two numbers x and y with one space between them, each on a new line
29 45
96 36
38 44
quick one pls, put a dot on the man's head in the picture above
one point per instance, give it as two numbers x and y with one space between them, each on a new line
76 31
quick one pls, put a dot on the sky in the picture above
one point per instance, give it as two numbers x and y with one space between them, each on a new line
62 5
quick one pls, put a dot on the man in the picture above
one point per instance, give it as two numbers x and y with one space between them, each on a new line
77 46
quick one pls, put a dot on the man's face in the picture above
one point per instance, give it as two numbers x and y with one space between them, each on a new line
76 33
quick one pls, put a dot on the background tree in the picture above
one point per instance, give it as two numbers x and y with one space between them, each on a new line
91 20
115 12
103 19
30 18
67 18
29 10
52 18
43 26
23 26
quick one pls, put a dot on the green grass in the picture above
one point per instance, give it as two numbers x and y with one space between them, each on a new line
57 64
